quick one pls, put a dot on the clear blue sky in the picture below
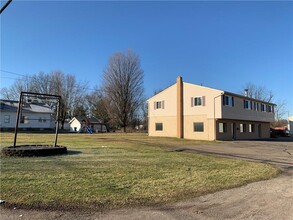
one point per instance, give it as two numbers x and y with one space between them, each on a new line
220 44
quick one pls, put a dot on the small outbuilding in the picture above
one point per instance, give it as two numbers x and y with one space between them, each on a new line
84 124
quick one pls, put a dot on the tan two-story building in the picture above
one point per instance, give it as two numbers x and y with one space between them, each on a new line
190 111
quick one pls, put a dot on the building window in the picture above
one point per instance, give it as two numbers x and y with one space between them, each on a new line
242 128
40 120
256 106
6 119
247 104
263 107
159 126
24 119
222 127
198 127
198 101
251 128
228 100
159 105
270 108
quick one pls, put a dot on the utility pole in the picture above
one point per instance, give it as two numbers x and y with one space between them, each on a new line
4 6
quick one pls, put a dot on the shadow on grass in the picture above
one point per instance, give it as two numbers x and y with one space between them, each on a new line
73 152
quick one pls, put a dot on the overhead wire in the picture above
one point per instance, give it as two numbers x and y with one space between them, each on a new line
24 75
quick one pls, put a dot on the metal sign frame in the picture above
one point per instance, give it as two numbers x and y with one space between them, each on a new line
40 96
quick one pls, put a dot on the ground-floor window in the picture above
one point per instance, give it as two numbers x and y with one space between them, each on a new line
24 119
251 128
198 127
159 126
242 128
222 127
7 119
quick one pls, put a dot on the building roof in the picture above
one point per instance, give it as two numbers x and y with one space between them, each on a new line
90 120
12 106
223 91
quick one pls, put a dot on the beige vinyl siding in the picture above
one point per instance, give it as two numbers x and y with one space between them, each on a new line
168 124
210 97
189 133
205 105
167 114
238 112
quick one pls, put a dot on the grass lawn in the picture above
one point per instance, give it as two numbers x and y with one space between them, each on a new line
105 171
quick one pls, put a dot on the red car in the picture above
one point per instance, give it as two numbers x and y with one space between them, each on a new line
282 131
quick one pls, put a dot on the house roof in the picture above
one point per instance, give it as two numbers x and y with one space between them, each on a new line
90 120
223 91
12 106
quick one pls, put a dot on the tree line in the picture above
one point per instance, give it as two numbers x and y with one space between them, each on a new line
119 102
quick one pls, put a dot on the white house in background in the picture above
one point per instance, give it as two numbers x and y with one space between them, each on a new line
34 116
81 124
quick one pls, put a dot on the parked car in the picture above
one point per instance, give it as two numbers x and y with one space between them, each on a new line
272 133
281 132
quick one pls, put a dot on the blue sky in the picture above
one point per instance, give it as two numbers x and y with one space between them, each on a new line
220 44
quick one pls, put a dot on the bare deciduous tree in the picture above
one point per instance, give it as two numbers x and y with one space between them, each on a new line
259 92
123 86
263 94
56 83
97 106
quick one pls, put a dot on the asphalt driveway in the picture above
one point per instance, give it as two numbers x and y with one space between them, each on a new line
267 200
273 151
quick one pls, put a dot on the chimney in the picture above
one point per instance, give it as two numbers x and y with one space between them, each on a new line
246 92
179 107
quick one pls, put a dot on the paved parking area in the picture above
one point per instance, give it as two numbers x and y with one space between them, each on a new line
274 151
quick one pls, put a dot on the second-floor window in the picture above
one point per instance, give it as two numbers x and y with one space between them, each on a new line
159 105
198 101
263 107
247 104
256 106
228 100
269 108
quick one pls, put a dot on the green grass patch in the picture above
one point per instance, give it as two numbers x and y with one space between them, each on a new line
108 171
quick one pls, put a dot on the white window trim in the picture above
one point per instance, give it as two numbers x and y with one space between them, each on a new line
6 119
202 101
159 105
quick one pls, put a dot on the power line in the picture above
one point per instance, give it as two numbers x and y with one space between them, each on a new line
24 75
13 73
4 6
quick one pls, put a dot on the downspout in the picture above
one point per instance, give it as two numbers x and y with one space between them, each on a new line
180 130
